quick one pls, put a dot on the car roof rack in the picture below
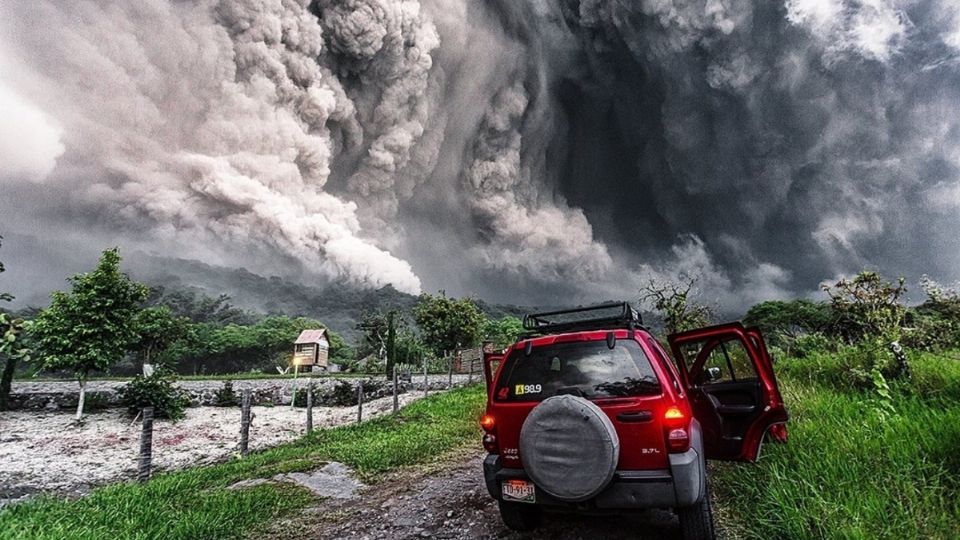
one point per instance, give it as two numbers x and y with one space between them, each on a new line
597 317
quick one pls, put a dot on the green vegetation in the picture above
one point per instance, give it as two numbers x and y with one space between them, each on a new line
93 326
855 466
674 302
12 349
447 324
502 332
195 503
156 390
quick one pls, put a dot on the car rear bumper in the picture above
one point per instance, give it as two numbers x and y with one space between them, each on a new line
683 484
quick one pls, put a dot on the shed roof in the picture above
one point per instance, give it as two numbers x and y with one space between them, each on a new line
312 336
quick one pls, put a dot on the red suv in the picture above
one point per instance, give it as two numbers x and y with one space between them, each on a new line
587 413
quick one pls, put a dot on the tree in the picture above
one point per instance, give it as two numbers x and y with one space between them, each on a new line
672 300
447 323
157 329
375 326
11 346
502 332
93 326
870 305
782 322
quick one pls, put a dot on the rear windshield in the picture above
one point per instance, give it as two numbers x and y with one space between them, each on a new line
588 368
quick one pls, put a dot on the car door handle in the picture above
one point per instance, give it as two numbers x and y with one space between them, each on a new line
636 416
736 409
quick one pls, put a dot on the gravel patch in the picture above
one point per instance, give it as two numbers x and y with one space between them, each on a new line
44 452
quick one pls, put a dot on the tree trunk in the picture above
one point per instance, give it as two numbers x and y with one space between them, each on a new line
83 395
6 380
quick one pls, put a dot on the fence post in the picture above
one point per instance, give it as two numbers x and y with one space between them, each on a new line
146 446
396 404
450 364
310 407
359 401
426 385
470 371
245 418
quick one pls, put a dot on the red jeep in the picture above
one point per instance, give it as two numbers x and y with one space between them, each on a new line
588 414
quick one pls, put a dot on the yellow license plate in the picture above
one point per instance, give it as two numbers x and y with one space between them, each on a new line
519 491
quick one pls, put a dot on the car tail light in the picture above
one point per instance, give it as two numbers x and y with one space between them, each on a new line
676 428
490 443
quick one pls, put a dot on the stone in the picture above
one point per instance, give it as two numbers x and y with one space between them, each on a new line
333 480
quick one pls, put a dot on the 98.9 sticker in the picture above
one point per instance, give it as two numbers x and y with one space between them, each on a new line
522 389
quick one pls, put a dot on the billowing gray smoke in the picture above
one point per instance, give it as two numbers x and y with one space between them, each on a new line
537 151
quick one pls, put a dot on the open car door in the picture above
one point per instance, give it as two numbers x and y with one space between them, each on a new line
729 377
491 362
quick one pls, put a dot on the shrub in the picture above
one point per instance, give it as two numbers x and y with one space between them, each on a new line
155 390
805 345
343 395
226 397
300 397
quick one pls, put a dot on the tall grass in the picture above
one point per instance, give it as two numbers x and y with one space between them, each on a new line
196 504
849 470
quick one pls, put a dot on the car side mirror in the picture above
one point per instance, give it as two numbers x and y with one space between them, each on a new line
713 374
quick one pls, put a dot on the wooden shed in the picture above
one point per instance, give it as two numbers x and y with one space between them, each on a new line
311 350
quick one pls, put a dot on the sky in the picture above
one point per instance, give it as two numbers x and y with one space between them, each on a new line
533 152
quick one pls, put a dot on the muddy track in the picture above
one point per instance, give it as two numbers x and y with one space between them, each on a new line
449 501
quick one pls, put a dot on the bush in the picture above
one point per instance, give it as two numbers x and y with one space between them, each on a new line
157 391
344 394
300 397
808 344
226 397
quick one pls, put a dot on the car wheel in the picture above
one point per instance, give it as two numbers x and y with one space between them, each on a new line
696 522
520 517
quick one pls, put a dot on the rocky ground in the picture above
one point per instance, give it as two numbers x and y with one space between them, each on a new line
46 452
448 500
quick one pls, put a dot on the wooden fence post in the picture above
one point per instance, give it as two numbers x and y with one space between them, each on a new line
450 364
310 407
396 403
426 385
146 446
359 401
245 418
470 371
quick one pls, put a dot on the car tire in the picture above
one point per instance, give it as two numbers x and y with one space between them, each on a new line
696 521
520 517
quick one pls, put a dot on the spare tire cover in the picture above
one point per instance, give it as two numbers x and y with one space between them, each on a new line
569 448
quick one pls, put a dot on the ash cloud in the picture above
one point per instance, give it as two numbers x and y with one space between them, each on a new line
544 151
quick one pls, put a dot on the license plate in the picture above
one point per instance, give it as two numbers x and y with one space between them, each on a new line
519 491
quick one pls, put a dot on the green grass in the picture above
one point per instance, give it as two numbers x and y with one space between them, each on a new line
195 504
849 472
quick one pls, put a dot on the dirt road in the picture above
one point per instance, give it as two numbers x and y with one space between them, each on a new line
449 501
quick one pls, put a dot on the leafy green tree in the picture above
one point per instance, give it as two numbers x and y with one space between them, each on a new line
873 318
934 324
782 322
12 348
157 330
200 308
871 305
209 348
673 301
502 332
448 323
92 327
